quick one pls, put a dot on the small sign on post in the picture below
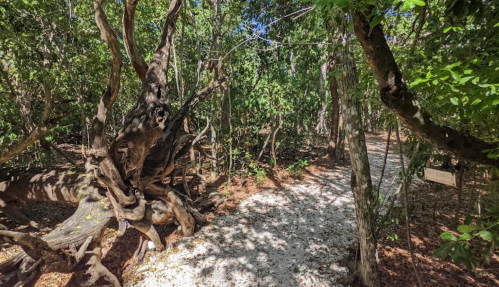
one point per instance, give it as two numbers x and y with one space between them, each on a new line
439 176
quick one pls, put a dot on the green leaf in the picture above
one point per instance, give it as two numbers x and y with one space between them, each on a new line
453 65
468 219
342 4
448 236
417 2
465 79
495 102
454 101
405 7
350 26
465 236
444 250
485 234
416 82
465 228
377 19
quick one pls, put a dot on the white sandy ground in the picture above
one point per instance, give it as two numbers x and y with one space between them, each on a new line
294 236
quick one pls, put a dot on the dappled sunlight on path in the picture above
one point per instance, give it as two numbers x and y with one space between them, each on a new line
288 237
297 235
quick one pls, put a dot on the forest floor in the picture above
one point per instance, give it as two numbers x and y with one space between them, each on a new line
286 230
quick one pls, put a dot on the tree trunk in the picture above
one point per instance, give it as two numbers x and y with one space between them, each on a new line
335 113
321 127
361 175
367 119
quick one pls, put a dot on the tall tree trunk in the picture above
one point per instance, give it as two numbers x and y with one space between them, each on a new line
335 113
321 126
361 175
367 119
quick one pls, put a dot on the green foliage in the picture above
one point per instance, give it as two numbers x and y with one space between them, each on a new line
260 173
460 249
297 168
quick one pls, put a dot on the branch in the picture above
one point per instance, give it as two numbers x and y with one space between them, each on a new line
109 37
43 127
138 62
157 75
111 93
58 150
120 194
396 96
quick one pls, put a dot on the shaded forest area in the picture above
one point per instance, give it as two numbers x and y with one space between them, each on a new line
150 115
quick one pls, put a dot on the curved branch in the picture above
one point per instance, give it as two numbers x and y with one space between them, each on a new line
161 152
200 149
123 199
146 227
193 101
16 149
184 182
396 96
33 246
109 37
43 127
136 213
138 62
202 133
183 216
111 93
109 96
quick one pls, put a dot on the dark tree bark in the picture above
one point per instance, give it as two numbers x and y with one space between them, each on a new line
397 97
361 175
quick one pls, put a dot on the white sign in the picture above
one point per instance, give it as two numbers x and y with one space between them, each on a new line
440 176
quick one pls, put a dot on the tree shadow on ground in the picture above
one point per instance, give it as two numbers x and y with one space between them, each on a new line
283 237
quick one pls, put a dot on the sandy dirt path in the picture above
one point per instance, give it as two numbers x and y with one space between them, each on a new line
294 236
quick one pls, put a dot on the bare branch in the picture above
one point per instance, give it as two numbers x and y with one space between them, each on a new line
111 93
122 197
138 62
136 213
43 127
109 37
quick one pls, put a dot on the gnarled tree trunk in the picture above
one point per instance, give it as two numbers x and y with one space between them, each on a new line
132 179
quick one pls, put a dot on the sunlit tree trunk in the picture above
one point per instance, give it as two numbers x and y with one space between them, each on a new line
321 126
361 184
335 112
